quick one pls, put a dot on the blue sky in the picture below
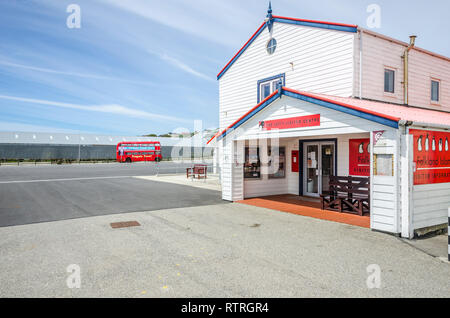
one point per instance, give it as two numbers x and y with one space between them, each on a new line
143 66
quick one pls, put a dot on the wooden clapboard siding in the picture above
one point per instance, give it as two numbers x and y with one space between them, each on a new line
377 55
323 63
422 68
385 203
430 204
380 53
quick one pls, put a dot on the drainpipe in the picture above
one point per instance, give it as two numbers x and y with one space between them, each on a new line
412 41
360 62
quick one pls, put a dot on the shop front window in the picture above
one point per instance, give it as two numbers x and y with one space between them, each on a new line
252 166
276 162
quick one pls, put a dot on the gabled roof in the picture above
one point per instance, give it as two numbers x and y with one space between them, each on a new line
383 113
311 23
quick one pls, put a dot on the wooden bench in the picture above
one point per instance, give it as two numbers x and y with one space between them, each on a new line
347 194
199 171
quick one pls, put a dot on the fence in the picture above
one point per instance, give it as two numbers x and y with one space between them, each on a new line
87 152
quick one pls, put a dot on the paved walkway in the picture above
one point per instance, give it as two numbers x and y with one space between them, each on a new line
211 183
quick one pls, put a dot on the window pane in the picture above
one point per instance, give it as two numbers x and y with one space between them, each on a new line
435 91
274 85
265 90
268 87
389 78
252 163
271 46
276 162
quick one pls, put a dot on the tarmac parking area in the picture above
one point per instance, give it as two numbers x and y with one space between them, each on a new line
190 243
53 193
225 250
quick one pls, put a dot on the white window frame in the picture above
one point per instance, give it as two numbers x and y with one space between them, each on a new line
273 87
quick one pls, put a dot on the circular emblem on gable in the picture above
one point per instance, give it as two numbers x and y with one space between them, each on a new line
271 46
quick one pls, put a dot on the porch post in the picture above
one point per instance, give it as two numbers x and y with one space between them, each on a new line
225 158
448 233
407 230
238 170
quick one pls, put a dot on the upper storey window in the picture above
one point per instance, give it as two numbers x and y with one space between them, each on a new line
389 81
435 91
271 46
269 85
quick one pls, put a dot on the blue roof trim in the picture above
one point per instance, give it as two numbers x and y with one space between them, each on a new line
242 51
350 111
319 25
289 21
337 107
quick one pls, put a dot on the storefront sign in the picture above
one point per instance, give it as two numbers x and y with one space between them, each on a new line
359 157
293 122
431 156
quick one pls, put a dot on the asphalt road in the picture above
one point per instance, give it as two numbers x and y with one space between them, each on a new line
28 172
32 194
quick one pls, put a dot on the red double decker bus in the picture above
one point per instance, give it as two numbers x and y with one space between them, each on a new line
139 151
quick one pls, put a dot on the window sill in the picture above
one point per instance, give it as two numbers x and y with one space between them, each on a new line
252 179
390 95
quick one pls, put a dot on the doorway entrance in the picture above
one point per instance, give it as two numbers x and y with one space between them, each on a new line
319 163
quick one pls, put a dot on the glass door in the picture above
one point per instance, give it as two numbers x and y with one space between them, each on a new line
312 170
327 165
319 165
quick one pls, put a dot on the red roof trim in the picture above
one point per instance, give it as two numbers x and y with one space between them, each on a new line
360 109
315 21
243 116
343 104
264 24
251 38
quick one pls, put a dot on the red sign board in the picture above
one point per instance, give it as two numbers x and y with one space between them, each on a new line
293 122
431 156
359 157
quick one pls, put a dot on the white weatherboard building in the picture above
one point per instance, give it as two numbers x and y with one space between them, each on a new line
324 99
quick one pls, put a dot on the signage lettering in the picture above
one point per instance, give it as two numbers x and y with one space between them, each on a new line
431 156
293 122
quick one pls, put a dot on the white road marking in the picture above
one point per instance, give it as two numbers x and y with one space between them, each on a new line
67 179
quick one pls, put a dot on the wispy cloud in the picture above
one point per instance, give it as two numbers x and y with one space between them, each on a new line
110 108
21 127
181 65
215 21
83 75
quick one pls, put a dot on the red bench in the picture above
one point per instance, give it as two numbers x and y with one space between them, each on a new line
197 171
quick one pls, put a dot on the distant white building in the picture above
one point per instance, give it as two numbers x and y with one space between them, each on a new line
322 99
